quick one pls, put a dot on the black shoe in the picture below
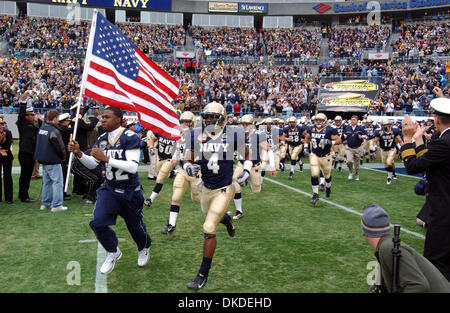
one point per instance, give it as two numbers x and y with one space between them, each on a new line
151 178
328 192
291 175
148 202
367 160
237 216
27 200
361 162
394 176
9 201
321 187
314 198
340 169
169 229
282 167
198 282
301 167
230 227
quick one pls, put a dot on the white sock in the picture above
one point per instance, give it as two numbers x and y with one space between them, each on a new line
238 204
153 196
322 180
315 188
173 218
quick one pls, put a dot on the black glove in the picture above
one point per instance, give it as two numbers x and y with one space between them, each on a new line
151 151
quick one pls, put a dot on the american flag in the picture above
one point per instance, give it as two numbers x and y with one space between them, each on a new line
119 74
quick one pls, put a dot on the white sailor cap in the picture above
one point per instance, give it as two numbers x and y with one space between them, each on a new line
441 106
64 116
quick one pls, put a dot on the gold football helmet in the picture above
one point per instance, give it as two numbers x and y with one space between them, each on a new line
214 114
320 120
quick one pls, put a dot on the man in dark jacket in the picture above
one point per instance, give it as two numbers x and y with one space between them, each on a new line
415 273
433 159
27 144
51 153
6 158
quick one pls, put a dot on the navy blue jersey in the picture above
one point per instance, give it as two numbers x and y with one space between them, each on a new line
352 135
318 146
216 155
254 144
340 131
165 147
296 134
370 130
117 178
387 140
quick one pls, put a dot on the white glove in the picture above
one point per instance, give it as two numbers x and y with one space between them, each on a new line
243 178
191 169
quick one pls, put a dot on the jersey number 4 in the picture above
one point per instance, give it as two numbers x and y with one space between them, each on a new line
213 163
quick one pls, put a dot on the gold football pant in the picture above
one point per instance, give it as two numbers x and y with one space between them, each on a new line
295 151
340 150
318 164
283 149
214 203
180 184
164 169
255 178
152 169
387 157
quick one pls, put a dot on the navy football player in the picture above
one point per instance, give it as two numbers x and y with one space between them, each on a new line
293 135
119 150
182 181
339 149
320 138
387 138
282 144
368 146
257 144
166 149
272 134
213 145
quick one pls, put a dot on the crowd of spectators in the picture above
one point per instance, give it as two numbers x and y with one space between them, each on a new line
228 41
423 40
292 43
351 41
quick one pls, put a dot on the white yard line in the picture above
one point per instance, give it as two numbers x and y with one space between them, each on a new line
336 205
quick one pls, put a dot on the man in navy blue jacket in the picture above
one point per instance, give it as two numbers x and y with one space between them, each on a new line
354 134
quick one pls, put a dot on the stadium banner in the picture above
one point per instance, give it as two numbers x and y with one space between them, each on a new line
378 56
185 54
122 4
252 8
228 7
351 95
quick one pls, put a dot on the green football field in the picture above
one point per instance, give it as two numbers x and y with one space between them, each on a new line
283 244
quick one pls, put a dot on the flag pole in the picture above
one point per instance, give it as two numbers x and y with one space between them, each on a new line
82 86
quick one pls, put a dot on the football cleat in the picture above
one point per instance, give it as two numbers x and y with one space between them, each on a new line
148 202
291 175
314 198
394 176
301 167
328 192
143 257
282 167
111 259
321 187
238 215
198 282
169 229
389 180
340 169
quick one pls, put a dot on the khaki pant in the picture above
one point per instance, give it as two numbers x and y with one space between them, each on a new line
164 169
214 203
368 145
180 184
353 157
283 149
318 164
255 178
387 157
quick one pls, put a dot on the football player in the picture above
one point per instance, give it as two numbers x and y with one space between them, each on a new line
282 144
321 137
121 194
257 143
213 145
387 138
182 181
339 149
293 135
166 149
368 142
272 134
152 169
